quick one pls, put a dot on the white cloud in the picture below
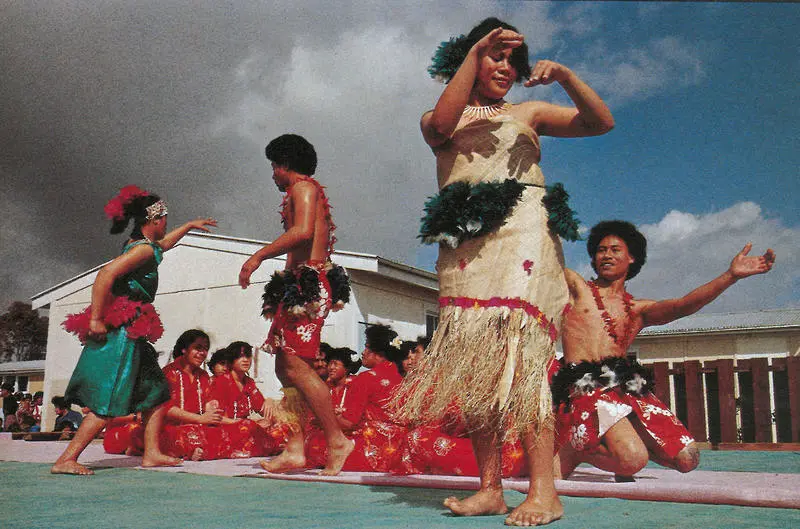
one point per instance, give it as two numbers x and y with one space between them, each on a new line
642 70
686 250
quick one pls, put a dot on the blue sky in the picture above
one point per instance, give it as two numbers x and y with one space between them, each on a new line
716 128
180 97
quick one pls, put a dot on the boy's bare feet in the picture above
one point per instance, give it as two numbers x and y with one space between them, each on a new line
284 462
535 511
337 457
160 460
71 467
484 502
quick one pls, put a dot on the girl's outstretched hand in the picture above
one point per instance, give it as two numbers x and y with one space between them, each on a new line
200 224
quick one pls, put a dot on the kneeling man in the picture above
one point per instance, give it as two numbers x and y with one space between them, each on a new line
607 414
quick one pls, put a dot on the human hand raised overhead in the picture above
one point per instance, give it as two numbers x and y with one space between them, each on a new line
744 265
497 40
546 72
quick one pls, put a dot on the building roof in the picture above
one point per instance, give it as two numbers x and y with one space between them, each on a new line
224 243
28 366
761 320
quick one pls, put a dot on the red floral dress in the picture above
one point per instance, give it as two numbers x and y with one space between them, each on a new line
247 438
192 393
316 448
379 438
444 448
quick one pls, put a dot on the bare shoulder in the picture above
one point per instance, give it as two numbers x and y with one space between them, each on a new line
526 111
574 279
303 191
641 306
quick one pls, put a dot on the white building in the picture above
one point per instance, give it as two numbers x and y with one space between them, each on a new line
198 288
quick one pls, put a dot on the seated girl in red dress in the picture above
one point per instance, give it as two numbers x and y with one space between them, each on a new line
193 428
340 368
238 398
365 414
444 448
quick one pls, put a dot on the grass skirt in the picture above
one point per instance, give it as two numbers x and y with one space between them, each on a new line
489 362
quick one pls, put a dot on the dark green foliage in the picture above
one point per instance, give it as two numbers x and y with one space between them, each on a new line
560 217
23 333
448 58
340 284
460 211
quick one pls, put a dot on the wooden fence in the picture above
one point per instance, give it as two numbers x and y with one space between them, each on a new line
715 404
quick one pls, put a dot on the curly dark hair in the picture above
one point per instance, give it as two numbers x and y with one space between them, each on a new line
186 339
294 152
634 240
379 337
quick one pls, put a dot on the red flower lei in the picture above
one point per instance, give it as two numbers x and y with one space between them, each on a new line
610 324
285 214
141 320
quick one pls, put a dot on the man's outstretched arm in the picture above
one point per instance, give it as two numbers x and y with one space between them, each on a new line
742 266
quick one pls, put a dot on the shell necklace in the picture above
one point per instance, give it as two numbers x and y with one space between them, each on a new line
485 112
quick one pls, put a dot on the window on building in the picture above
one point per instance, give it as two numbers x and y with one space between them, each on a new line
22 383
431 322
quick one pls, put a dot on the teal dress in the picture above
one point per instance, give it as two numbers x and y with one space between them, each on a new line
121 376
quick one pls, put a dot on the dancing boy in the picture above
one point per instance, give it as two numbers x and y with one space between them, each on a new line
607 416
299 298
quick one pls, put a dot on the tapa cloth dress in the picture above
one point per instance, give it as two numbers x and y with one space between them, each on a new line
501 295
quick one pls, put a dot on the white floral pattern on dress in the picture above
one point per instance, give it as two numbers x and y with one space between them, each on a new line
442 446
648 409
306 332
686 440
578 436
385 382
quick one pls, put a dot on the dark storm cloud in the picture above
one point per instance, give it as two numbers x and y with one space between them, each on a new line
97 95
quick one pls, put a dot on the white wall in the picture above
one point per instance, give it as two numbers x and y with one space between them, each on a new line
198 289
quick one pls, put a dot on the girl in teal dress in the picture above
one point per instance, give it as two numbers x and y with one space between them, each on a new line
118 373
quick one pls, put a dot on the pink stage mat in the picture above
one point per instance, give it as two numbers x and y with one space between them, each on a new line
652 484
729 488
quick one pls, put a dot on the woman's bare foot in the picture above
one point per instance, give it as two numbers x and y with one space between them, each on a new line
197 455
284 462
337 457
71 467
159 459
535 511
484 502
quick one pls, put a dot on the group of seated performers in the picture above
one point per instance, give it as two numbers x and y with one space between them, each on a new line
208 417
363 406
